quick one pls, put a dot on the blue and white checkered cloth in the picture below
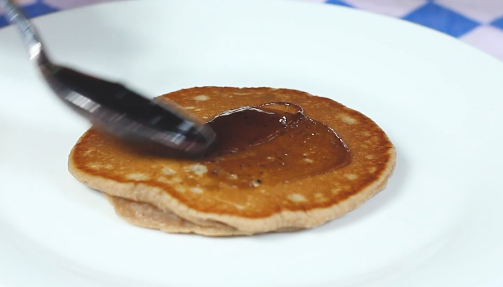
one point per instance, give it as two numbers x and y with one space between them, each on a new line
477 22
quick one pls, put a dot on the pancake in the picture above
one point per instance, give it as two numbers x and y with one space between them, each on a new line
186 196
149 216
146 215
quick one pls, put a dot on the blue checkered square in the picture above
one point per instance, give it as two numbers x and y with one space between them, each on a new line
34 10
498 23
3 21
442 19
338 2
38 9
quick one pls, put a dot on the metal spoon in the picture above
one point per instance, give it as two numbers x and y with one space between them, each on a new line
113 107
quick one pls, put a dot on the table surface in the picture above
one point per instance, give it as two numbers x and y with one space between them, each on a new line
476 22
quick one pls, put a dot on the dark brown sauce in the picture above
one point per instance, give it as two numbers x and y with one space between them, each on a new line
272 143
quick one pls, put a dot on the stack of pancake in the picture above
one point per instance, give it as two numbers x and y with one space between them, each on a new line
188 196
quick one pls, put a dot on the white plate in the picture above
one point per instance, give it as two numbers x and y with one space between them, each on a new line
437 224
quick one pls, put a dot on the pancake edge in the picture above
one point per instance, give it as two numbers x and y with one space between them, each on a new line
155 196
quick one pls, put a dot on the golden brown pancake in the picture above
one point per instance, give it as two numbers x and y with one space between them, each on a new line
206 197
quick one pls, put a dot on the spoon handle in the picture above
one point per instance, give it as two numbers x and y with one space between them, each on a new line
112 106
31 38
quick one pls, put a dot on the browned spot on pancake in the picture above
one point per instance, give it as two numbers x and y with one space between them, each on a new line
362 136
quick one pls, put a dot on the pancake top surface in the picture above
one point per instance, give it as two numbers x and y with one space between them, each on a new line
270 144
208 185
